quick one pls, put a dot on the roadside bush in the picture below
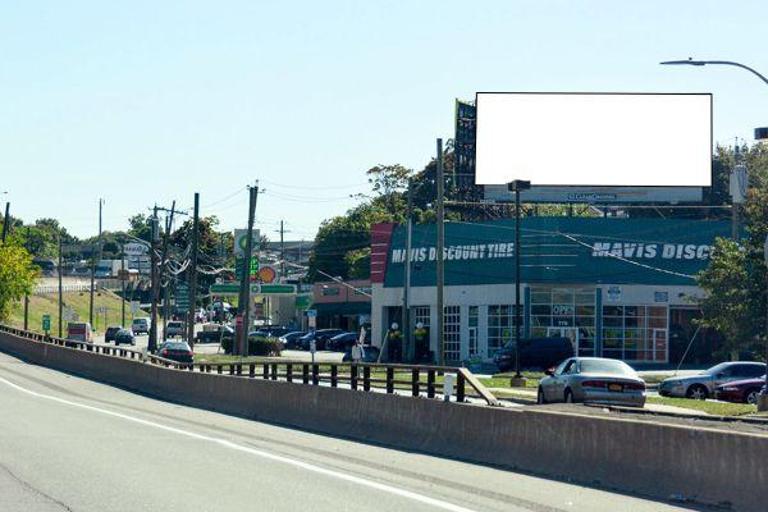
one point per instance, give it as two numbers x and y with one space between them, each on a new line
257 345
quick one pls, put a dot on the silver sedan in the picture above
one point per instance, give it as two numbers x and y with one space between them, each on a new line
593 379
703 385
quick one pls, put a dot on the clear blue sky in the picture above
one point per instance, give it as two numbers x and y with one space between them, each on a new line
145 101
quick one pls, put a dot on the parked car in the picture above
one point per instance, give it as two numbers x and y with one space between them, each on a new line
703 385
320 336
370 354
592 379
539 353
79 331
124 337
176 351
746 391
274 332
290 340
140 325
341 342
213 333
175 328
109 334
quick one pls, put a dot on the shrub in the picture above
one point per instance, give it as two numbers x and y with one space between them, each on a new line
257 346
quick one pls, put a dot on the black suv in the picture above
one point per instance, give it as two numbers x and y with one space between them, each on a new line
540 353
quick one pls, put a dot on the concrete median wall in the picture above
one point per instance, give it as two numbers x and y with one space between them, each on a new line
658 460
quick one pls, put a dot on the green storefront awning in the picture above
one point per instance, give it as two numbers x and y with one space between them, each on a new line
343 308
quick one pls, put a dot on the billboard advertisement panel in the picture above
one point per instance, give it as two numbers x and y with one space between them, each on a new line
594 140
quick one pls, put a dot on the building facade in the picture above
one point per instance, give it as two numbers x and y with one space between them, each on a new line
615 287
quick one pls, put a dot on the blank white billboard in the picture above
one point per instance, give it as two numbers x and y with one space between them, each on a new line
594 139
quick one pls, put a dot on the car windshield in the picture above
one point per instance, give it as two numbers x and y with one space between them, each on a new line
606 366
719 368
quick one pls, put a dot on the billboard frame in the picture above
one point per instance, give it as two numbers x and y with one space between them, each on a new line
601 194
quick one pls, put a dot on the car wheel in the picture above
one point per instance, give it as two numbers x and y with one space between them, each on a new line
752 396
697 392
568 398
540 397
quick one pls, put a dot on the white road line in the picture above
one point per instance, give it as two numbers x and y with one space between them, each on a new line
444 505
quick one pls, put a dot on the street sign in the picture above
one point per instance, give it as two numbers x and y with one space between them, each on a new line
241 238
225 288
182 295
273 289
46 323
311 313
135 249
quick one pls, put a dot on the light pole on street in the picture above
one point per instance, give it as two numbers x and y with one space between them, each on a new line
762 404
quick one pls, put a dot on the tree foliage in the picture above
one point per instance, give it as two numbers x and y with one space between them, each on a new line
736 279
17 276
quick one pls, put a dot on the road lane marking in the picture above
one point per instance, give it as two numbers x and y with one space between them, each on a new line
444 505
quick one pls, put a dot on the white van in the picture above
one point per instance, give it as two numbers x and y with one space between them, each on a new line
140 325
79 331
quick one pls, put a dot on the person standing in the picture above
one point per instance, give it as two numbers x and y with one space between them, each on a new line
358 352
395 344
421 341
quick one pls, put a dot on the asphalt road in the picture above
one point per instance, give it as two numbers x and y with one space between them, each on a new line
68 444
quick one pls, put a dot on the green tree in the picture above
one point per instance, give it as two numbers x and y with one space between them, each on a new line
17 276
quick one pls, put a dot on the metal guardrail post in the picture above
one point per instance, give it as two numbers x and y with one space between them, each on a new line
265 371
366 378
239 369
274 371
460 385
431 383
252 370
315 374
353 376
415 382
289 372
390 380
334 376
218 368
305 374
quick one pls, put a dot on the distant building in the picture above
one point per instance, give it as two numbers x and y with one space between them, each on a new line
343 306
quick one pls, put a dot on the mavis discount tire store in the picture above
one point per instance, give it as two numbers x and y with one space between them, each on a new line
615 287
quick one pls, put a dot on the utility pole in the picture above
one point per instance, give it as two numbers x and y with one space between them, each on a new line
7 221
244 308
282 251
122 283
61 288
440 264
26 295
152 344
193 274
410 352
93 267
164 266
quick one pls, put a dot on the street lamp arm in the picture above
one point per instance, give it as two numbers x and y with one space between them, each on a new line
717 62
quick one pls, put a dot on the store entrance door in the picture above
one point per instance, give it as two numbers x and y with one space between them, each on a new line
571 333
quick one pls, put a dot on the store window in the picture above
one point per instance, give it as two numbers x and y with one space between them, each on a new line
566 312
420 314
635 333
472 321
452 333
501 326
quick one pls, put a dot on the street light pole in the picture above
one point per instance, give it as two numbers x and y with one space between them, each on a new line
516 186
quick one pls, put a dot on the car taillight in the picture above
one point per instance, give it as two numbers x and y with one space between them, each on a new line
164 352
637 386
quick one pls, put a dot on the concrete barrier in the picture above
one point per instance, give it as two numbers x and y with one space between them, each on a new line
657 460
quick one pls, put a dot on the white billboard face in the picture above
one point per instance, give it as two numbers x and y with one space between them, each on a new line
599 140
